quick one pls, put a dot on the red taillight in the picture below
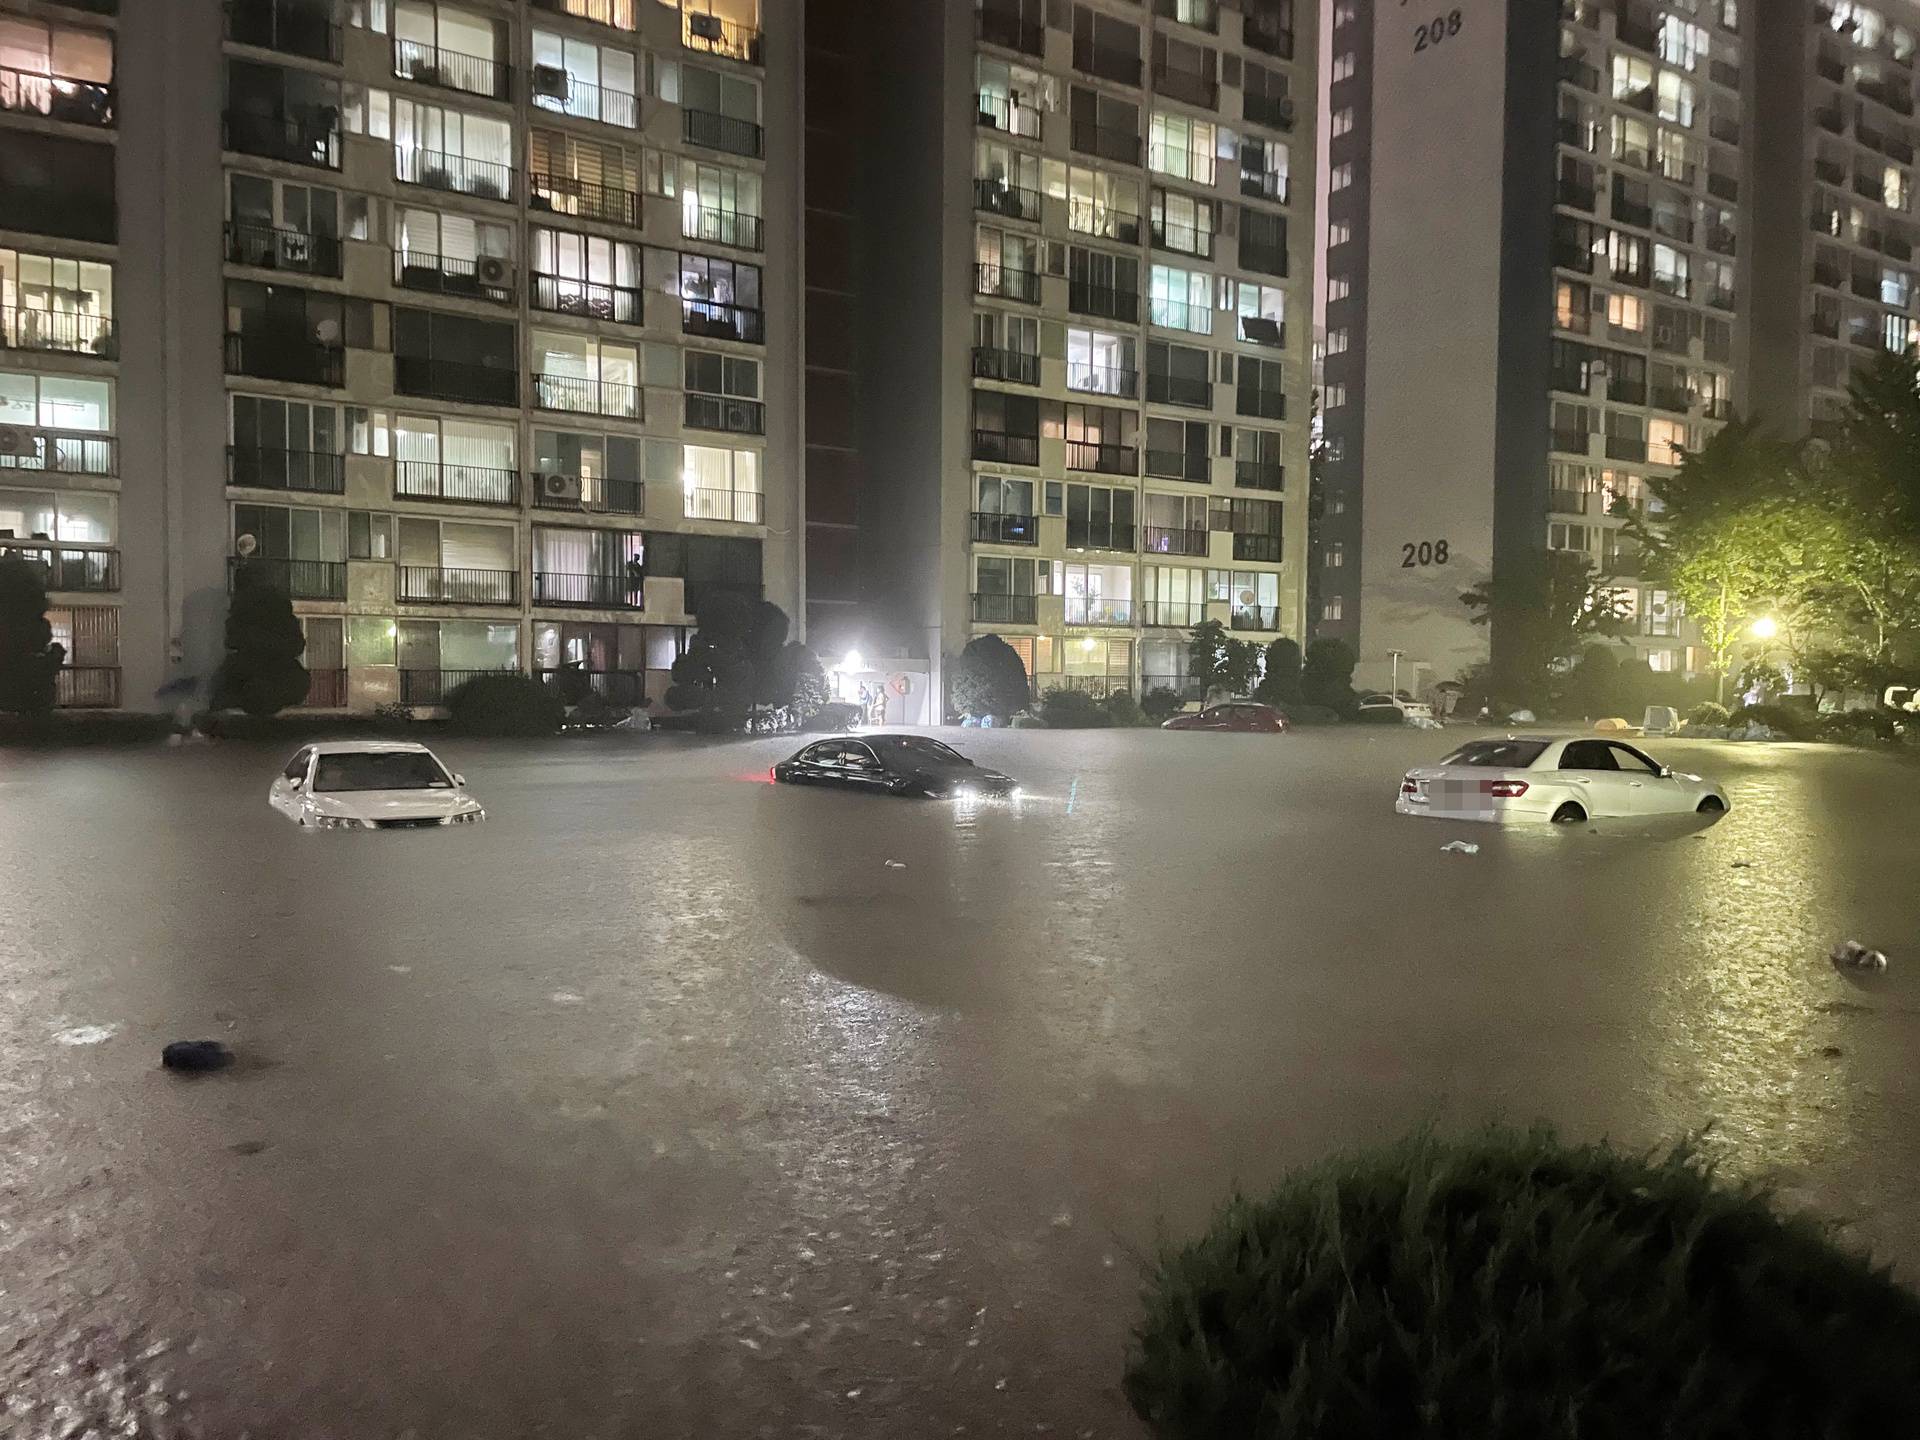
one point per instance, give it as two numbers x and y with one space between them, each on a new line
773 774
1407 787
1504 789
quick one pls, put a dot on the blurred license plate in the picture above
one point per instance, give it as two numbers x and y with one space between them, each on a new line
1455 794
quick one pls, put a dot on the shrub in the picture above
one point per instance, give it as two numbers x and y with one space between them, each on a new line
1509 1285
1161 703
1065 709
1311 715
1793 721
29 658
505 704
1327 676
262 673
1027 721
1280 673
1123 710
1707 713
1860 727
988 678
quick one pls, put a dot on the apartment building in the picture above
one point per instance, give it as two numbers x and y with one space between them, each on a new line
1082 387
476 325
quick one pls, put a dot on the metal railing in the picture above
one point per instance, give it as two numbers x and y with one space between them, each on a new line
455 380
274 247
453 275
1260 404
1105 457
1005 447
591 495
1016 367
584 101
468 484
1003 112
614 14
564 195
430 65
721 132
994 527
1569 502
1163 540
1005 281
560 295
24 327
1172 614
1098 610
58 97
713 321
1117 380
1573 442
297 139
462 174
617 687
1256 547
1110 302
68 567
1201 90
83 687
583 395
600 592
65 452
1273 111
297 579
717 36
1109 62
1259 475
1179 390
1254 617
432 687
1179 465
292 358
263 467
326 688
457 585
293 27
1263 256
725 412
722 227
742 506
1086 535
1265 185
1183 237
997 197
995 609
1626 447
1109 142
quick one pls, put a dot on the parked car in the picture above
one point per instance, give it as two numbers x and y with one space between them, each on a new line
371 785
1527 778
1384 709
1247 716
894 765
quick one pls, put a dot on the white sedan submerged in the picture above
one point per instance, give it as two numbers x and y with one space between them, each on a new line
1537 778
371 785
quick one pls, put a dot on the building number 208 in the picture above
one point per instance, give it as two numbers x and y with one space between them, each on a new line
1441 27
1427 552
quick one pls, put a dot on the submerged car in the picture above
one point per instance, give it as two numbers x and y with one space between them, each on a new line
1539 778
371 785
1246 716
1384 709
894 765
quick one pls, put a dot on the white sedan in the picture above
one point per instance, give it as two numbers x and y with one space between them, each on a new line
371 785
1537 778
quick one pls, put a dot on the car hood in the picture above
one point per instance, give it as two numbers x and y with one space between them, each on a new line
945 772
378 805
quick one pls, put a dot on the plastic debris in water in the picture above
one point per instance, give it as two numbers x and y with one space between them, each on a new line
86 1035
1852 955
1460 847
896 864
196 1056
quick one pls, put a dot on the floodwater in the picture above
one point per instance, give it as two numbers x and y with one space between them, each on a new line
661 1105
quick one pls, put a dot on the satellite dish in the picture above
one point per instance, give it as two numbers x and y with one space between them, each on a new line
245 546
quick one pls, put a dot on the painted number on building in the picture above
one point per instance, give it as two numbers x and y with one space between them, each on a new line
1426 552
1441 27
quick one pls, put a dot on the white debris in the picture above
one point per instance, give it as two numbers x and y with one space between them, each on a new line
401 969
565 997
896 864
1460 847
1852 955
86 1035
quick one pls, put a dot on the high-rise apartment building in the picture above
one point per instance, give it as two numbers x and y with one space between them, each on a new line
1082 286
475 324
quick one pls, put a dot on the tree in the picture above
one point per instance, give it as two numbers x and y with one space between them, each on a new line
1280 673
29 658
714 674
801 683
988 679
262 673
1326 677
1549 614
1217 660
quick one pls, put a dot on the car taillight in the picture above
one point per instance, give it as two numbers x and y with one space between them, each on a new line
772 773
1504 789
1407 787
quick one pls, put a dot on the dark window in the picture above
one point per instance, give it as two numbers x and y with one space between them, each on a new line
54 186
1587 755
1497 754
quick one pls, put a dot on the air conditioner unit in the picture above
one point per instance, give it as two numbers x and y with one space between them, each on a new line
707 27
560 487
737 417
495 271
551 81
16 440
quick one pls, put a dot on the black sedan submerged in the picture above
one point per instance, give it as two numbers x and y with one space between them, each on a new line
897 765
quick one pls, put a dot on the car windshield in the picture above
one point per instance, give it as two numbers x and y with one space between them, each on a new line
1497 754
916 747
380 770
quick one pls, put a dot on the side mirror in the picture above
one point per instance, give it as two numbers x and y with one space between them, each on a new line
294 784
1666 772
460 780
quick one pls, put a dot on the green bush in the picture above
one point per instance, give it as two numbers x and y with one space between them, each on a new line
1508 1286
505 704
1326 679
1161 703
261 673
1707 713
987 678
1065 709
1026 721
1123 710
1795 722
1860 727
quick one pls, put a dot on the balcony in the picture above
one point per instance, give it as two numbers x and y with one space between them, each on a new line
742 507
1721 240
564 195
1109 302
1265 185
563 93
721 132
597 592
1260 404
1631 212
292 27
66 332
1632 32
1015 367
1002 23
722 227
82 687
1109 142
1003 112
450 70
68 568
1263 256
1184 465
432 687
1256 547
1626 447
711 320
1005 448
1183 237
461 174
1576 196
1626 392
312 139
1579 73
1719 298
559 295
1830 68
588 494
1569 502
1259 475
1254 617
326 689
444 585
1179 390
1831 119
291 357
712 35
729 413
457 380
584 395
1896 97
1569 256
273 247
1172 615
614 14
997 197
56 97
1201 90
1160 540
64 452
1109 62
1099 609
1268 32
462 484
1675 400
995 528
1112 380
296 579
1263 330
1273 111
1722 187
1005 282
488 278
309 472
1004 609
1103 457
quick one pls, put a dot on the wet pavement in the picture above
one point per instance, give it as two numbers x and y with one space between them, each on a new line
661 1105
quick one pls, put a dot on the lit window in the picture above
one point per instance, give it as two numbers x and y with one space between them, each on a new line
1341 176
1339 287
1336 396
1331 608
1343 66
1339 232
1627 312
1337 341
1342 120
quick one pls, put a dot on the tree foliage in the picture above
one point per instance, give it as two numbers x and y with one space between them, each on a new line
261 673
1552 613
1326 675
1220 660
1280 673
29 658
988 678
740 663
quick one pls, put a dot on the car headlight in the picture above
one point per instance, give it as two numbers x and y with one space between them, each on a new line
336 822
465 817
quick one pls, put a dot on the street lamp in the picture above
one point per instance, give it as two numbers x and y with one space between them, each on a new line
1765 628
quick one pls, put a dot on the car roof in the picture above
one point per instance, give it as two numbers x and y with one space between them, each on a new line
373 747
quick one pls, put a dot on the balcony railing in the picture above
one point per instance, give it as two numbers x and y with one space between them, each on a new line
482 279
1103 457
273 247
1626 447
1162 540
584 395
297 579
560 91
68 568
1256 547
462 174
1202 90
1110 302
725 412
721 132
310 472
64 452
1262 404
1179 390
995 528
1098 610
599 592
450 70
1004 281
722 227
614 14
617 687
312 139
588 494
293 358
1017 202
716 36
1006 448
1003 112
1109 142
711 320
1115 380
57 97
1004 25
326 689
69 332
1179 465
1569 502
1571 442
1183 237
996 609
744 507
1254 617
564 195
1259 475
1273 111
621 304
1172 614
1264 256
1673 399
444 585
84 687
1109 62
432 687
293 27
466 484
1016 367
458 380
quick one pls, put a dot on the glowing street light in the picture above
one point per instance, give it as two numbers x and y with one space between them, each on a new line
1765 628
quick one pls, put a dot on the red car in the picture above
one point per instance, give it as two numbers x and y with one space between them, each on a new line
1247 716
